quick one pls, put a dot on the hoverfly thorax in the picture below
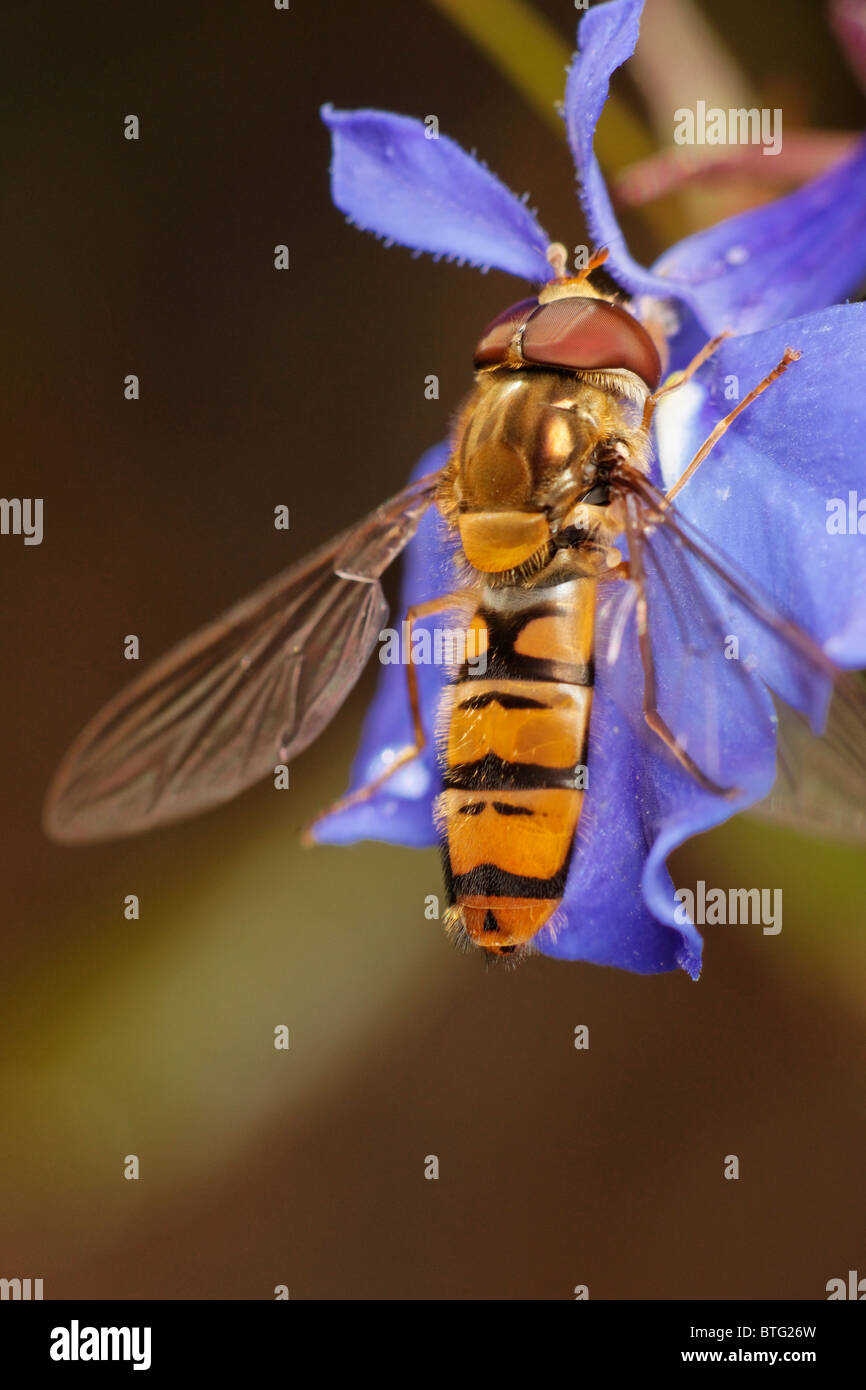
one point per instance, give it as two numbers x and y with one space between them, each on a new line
559 383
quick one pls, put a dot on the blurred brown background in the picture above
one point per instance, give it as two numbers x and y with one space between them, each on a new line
558 1167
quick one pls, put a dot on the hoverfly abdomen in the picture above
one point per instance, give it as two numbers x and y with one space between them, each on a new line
514 764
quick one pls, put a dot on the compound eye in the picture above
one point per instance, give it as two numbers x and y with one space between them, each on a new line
590 334
493 344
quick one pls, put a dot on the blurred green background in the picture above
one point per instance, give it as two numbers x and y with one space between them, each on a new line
557 1167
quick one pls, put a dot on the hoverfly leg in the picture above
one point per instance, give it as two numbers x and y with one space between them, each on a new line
412 750
712 439
680 378
618 571
661 729
656 723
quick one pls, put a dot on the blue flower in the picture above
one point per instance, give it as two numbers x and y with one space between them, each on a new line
762 499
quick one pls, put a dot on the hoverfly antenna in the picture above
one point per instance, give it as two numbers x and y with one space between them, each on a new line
557 255
597 259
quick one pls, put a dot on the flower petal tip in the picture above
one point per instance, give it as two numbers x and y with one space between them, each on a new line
401 179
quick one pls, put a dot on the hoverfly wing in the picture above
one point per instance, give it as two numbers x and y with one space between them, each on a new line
246 693
821 785
736 648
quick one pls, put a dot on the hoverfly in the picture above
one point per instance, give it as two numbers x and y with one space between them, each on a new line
550 464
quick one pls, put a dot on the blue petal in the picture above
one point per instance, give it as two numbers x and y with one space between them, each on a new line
619 907
401 811
765 493
607 36
604 917
725 718
790 257
799 254
389 178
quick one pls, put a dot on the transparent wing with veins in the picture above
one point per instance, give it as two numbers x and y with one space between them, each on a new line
249 691
722 652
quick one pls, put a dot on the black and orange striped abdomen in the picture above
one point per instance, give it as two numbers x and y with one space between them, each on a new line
514 762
